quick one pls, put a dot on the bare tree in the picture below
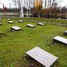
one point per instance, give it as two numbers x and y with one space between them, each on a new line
15 3
19 4
50 3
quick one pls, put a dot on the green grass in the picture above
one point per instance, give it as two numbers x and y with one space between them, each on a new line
13 45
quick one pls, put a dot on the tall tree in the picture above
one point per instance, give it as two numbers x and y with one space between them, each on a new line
15 3
38 7
19 4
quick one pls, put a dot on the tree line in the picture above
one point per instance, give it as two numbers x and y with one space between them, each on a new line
39 8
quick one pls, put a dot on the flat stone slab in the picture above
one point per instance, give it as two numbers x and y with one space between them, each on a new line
41 24
8 19
0 23
30 25
42 56
11 22
20 21
65 32
60 39
16 28
0 32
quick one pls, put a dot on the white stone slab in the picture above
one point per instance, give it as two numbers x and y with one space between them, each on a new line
66 31
43 57
42 24
8 19
30 25
0 32
15 28
20 20
0 23
11 22
60 39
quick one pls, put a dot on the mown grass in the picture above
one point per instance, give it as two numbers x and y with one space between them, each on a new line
13 45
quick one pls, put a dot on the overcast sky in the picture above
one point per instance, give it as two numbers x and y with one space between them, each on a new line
64 3
6 3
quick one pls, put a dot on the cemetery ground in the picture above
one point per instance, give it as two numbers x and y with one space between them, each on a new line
14 44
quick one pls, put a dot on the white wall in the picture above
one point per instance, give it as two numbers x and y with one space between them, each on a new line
9 13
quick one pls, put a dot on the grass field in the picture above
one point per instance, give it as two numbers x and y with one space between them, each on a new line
13 45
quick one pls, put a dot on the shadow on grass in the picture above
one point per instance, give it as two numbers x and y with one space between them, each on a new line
2 35
27 61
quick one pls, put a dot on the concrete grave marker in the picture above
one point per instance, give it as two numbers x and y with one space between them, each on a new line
41 24
11 22
8 19
60 39
0 32
42 56
16 28
65 33
30 25
20 21
0 23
